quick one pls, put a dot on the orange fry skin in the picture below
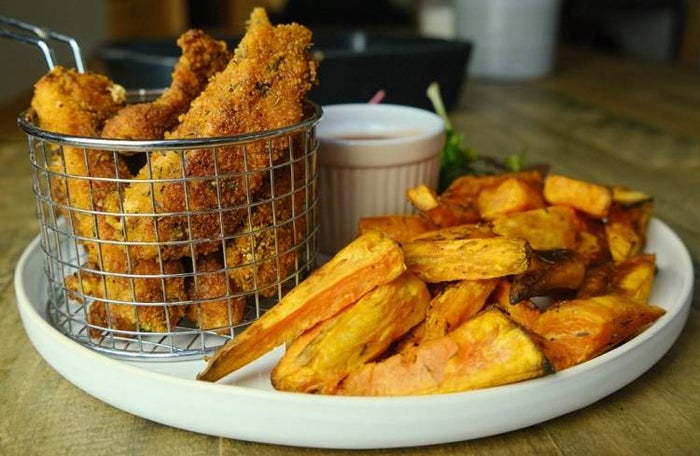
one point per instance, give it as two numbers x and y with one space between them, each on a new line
456 304
576 331
401 228
487 350
369 261
590 198
319 359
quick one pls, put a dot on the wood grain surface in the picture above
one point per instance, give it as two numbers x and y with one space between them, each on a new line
598 117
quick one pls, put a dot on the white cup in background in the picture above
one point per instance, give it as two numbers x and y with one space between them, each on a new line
369 156
512 38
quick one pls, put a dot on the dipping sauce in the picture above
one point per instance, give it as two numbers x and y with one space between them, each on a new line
379 136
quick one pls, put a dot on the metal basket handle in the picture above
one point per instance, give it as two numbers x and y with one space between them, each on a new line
40 37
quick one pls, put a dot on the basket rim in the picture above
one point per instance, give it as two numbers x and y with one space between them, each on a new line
312 116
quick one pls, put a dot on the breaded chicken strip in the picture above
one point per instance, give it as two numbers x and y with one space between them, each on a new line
215 305
145 283
202 57
77 104
265 252
262 88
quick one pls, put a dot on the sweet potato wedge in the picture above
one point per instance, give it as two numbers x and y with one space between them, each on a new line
592 241
486 350
458 204
633 278
468 231
587 197
442 212
401 228
469 186
550 271
627 197
423 198
320 358
550 228
575 331
523 313
626 229
466 259
511 195
451 306
371 260
457 303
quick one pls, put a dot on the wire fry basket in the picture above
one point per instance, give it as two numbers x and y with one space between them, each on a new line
145 266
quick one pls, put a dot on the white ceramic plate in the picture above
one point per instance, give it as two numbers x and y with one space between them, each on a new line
249 409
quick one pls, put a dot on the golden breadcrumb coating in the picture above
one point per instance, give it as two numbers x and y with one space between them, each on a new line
215 305
264 253
202 57
262 88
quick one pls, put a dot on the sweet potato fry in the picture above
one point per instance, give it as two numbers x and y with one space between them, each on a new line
442 212
485 351
550 271
469 231
469 186
592 241
632 278
466 259
593 199
549 228
423 198
523 313
596 282
457 205
511 195
401 228
626 228
456 304
578 330
629 197
318 360
370 260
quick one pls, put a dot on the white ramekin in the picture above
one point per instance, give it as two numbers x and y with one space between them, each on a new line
369 156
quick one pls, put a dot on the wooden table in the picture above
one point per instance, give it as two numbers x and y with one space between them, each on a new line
598 118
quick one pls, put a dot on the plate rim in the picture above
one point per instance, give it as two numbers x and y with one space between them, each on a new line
314 421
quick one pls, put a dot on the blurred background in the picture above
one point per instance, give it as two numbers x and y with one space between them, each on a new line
663 31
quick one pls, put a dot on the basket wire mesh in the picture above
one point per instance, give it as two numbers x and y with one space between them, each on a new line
172 281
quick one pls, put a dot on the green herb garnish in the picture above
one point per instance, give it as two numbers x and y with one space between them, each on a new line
457 159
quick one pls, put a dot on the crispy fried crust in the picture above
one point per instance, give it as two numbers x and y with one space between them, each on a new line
215 305
78 104
143 284
263 253
262 88
202 57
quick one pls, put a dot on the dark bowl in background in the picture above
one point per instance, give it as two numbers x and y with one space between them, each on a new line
355 65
